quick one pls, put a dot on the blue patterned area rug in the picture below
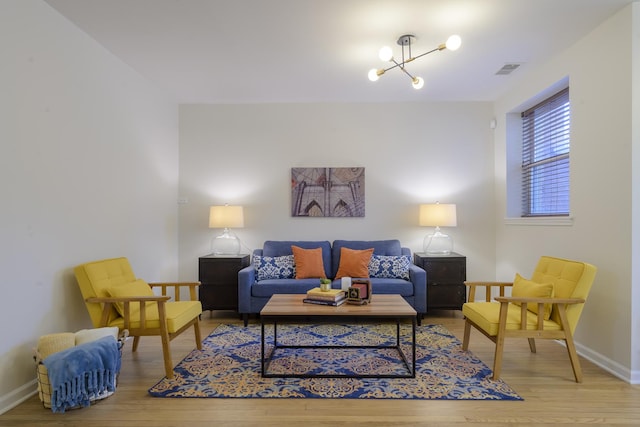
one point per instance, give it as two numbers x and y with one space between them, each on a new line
229 365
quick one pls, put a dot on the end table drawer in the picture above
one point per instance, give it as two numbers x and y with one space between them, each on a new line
445 271
221 270
446 296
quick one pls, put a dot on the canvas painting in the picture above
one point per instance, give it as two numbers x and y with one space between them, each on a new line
327 192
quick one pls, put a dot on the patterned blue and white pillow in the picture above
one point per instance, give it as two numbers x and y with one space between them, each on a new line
389 267
279 267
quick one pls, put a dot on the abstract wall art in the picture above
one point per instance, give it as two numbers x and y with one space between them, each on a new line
327 192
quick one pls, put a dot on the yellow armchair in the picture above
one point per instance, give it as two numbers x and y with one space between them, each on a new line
115 297
546 307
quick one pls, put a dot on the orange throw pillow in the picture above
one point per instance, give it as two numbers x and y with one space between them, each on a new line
354 263
308 263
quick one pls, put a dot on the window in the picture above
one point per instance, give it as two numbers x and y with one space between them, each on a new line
545 157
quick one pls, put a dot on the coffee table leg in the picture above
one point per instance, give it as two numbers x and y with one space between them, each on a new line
413 345
275 334
262 348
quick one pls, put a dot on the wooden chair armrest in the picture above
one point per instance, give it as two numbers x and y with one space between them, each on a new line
142 300
541 300
176 288
524 301
488 287
111 300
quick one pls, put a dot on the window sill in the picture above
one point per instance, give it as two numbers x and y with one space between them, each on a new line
546 221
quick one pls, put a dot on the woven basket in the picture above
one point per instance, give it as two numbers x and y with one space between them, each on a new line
53 343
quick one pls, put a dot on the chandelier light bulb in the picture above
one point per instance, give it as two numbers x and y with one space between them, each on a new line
453 42
373 74
417 83
385 54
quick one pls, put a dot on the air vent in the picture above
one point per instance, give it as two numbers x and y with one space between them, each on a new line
507 69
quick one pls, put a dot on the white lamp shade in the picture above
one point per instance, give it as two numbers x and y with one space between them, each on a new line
438 215
226 217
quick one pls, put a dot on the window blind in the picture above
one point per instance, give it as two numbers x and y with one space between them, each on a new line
545 157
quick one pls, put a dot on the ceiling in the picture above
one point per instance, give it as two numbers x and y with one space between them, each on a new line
299 51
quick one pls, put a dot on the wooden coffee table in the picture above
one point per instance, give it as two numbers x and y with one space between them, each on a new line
383 308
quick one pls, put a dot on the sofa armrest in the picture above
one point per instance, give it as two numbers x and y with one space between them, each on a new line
246 279
418 276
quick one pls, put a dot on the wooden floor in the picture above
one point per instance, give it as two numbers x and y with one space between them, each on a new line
544 380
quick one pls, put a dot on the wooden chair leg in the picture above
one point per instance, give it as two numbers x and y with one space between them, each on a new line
166 353
164 336
467 334
136 341
532 345
497 358
502 328
571 347
573 357
196 327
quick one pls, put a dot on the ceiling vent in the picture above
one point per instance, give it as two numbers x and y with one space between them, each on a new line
507 69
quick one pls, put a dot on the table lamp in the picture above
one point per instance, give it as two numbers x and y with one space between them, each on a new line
226 217
438 215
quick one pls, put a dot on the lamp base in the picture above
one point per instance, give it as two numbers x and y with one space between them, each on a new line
438 243
225 244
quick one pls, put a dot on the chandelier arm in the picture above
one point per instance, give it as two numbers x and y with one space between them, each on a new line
401 64
397 64
407 73
426 53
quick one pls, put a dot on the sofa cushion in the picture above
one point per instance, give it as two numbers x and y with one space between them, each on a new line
308 263
275 248
354 263
391 286
389 266
267 288
278 267
380 247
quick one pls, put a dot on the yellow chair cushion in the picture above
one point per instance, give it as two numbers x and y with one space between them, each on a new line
179 313
487 316
94 278
527 288
137 288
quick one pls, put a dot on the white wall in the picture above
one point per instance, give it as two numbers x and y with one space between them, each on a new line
635 189
600 71
88 169
412 154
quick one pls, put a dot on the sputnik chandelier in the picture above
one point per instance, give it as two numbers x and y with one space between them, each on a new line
386 54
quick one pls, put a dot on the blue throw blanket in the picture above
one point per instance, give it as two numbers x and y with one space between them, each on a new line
81 372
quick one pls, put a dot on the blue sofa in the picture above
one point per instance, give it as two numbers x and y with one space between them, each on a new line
255 288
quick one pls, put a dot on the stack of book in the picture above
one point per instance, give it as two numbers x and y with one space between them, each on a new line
332 297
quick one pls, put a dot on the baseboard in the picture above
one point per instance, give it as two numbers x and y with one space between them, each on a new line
614 368
18 396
